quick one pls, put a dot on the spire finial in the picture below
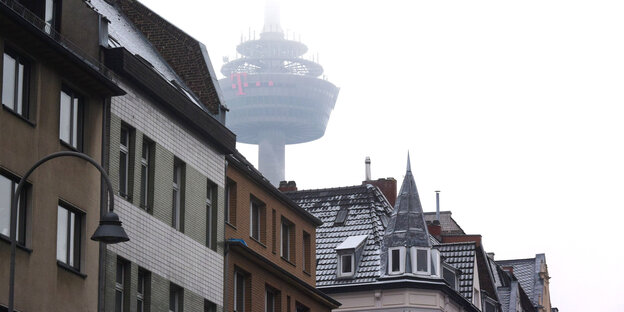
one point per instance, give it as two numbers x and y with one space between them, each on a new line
409 166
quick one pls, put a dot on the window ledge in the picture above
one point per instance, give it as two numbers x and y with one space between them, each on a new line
257 241
307 273
14 113
19 246
70 269
288 261
231 225
67 145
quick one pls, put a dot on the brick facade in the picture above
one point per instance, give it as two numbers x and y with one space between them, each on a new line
260 260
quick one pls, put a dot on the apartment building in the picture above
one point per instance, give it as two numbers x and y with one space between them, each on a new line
167 162
271 247
54 94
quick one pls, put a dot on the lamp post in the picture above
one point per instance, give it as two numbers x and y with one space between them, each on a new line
109 231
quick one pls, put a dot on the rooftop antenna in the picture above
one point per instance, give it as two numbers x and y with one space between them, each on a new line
437 205
367 163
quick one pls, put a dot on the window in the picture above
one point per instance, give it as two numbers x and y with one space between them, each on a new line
52 15
143 287
175 298
341 216
178 191
307 252
301 308
239 291
256 222
230 202
272 300
476 298
396 260
147 172
8 186
435 262
490 307
120 285
287 241
68 236
420 260
70 124
449 277
209 306
346 265
125 161
211 215
15 82
273 231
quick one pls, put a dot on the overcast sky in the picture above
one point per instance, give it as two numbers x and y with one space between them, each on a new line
513 109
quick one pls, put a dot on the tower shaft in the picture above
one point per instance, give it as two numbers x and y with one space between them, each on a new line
271 156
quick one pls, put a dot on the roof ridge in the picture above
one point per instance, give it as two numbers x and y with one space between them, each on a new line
329 188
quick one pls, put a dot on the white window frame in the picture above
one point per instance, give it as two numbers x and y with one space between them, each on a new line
401 260
342 273
414 258
124 164
210 202
18 92
22 214
71 254
266 300
435 259
74 129
236 273
141 283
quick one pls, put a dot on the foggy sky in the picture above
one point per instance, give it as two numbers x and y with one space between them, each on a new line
511 109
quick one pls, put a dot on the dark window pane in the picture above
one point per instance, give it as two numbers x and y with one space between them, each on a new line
346 264
396 258
421 260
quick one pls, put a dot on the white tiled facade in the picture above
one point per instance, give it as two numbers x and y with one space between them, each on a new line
135 110
155 245
163 250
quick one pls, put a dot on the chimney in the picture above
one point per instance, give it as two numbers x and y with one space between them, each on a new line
438 206
387 186
367 175
289 186
490 255
435 229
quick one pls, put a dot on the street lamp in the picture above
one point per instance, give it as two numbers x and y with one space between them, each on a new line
109 231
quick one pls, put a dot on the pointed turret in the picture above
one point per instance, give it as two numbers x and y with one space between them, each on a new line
407 225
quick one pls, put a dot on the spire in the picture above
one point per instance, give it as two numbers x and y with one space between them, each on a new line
407 225
272 25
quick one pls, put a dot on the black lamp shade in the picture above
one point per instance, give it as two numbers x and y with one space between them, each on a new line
110 230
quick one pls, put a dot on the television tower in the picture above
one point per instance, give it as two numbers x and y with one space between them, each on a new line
275 96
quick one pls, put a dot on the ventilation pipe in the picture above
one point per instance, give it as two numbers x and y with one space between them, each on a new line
437 205
368 169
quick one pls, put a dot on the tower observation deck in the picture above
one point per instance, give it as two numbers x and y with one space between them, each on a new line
275 96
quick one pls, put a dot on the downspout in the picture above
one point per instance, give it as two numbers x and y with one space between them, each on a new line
226 249
103 206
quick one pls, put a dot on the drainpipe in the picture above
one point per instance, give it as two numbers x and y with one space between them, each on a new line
226 249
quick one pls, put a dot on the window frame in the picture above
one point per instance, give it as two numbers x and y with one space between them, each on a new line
21 109
230 202
120 284
124 164
256 224
285 224
401 260
341 262
22 210
242 286
178 186
307 252
76 118
270 291
143 283
415 257
76 241
146 192
176 294
211 214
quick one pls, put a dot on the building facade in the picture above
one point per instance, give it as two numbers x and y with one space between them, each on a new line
54 92
373 257
271 247
167 148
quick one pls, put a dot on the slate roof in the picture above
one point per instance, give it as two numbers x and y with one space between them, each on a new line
461 256
367 208
407 225
449 226
527 273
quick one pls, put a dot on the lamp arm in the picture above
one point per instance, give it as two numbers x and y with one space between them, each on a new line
18 190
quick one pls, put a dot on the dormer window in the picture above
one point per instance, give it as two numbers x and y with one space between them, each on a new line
396 260
449 275
346 265
349 252
420 260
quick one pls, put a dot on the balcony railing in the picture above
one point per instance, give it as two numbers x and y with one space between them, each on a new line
47 30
